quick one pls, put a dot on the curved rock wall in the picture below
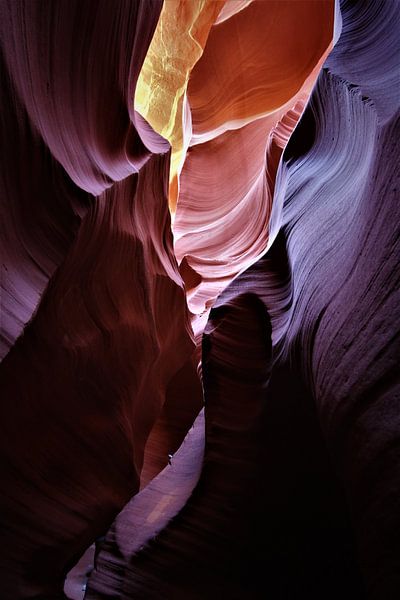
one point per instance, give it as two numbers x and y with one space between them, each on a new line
255 273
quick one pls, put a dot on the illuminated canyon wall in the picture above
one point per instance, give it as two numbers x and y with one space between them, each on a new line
200 300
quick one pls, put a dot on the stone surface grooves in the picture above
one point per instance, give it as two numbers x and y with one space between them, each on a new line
200 300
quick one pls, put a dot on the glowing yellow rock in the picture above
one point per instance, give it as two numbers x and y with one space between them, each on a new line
177 45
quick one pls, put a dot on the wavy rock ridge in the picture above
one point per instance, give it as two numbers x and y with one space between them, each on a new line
200 208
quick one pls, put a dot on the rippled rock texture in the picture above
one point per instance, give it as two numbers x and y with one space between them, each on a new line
200 299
